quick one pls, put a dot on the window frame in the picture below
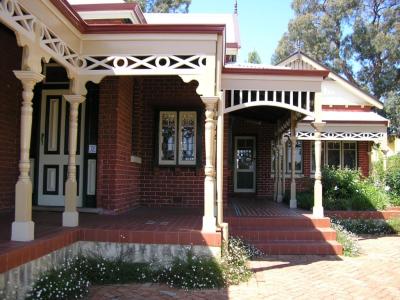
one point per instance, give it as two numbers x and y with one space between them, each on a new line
287 168
198 144
324 152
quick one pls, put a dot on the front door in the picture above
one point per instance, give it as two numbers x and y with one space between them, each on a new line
245 164
53 154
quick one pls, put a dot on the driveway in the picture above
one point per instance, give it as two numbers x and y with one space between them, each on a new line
373 275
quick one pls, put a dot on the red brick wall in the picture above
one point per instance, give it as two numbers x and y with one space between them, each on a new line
163 185
10 91
363 158
118 179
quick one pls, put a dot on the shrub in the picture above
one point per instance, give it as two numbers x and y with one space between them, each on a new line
66 282
192 272
347 239
360 226
234 260
344 189
395 225
305 200
73 278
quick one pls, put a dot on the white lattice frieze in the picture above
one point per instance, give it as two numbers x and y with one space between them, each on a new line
31 29
36 34
12 12
159 64
60 49
360 136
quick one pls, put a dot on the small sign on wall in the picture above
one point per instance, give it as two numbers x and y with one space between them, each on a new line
92 149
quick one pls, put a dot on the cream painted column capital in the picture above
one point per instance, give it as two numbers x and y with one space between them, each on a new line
23 227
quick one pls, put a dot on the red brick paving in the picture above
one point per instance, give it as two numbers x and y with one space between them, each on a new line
374 275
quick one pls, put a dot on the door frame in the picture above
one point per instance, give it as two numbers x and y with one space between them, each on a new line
235 189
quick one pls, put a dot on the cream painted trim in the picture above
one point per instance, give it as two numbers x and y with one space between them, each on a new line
270 82
109 14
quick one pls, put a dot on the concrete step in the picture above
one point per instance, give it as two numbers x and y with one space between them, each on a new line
300 247
254 234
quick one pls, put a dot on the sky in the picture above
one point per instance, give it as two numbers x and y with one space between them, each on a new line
262 22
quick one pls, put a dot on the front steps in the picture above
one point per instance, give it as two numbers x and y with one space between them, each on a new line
287 234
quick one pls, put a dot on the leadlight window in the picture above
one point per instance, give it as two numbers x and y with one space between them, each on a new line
187 137
167 137
177 138
298 157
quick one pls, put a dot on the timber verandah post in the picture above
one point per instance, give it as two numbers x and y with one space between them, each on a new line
23 227
293 140
318 210
209 220
70 216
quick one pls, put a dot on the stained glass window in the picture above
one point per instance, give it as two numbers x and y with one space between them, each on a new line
187 137
167 137
177 138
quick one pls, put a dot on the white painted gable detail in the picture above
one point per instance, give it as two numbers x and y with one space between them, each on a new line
335 89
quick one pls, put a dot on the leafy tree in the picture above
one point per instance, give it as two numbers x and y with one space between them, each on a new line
164 6
253 57
359 39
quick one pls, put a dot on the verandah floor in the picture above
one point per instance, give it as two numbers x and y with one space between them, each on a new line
142 225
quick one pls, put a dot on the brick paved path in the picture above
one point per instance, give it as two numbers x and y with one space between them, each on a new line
374 275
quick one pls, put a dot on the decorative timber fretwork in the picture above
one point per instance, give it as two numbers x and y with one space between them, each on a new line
32 32
298 101
183 64
348 135
27 25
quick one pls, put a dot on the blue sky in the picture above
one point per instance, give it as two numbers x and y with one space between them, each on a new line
262 22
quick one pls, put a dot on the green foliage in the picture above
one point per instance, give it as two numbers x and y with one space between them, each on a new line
392 175
192 272
368 226
357 39
253 57
395 225
305 200
344 189
72 279
234 260
347 239
69 281
163 6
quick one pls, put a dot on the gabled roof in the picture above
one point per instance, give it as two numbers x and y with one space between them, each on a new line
313 64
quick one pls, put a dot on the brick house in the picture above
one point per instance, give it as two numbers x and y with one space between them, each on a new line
123 110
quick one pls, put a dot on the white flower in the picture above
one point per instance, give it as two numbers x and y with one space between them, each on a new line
387 188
